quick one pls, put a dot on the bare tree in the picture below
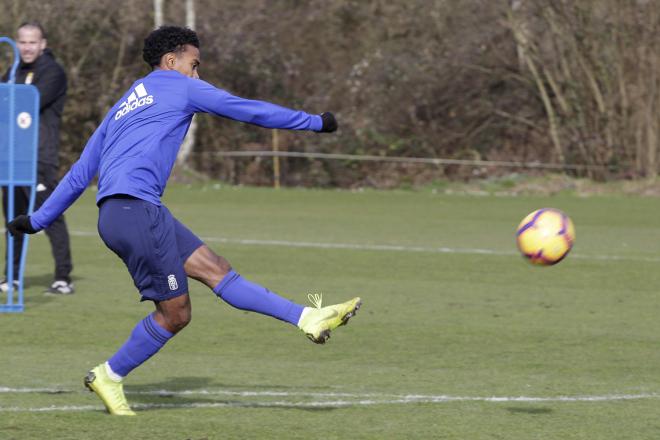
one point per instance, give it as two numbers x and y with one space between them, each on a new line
158 13
189 140
574 82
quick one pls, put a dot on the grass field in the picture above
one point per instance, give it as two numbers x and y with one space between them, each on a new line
458 337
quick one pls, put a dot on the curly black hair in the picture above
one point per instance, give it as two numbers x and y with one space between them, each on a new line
167 39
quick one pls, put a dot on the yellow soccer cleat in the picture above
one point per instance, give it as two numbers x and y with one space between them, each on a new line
317 323
110 392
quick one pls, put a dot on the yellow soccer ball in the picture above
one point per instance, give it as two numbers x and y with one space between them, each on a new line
545 236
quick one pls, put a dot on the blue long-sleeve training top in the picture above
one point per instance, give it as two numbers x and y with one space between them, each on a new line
135 147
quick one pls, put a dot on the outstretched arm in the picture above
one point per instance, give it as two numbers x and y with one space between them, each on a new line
69 189
203 97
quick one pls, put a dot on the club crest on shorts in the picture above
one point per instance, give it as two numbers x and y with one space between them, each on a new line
171 280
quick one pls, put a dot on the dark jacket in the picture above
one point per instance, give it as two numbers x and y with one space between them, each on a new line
49 77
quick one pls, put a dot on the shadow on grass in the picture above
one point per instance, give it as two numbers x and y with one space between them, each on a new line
204 392
200 383
177 384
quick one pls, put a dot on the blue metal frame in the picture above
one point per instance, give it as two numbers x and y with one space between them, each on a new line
11 182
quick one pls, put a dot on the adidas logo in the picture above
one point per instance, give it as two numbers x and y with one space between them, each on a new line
138 98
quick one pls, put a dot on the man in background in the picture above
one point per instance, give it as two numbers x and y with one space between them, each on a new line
39 68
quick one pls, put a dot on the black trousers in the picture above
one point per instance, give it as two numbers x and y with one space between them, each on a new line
57 232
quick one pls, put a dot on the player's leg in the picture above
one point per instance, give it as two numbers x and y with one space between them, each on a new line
143 236
59 243
57 233
21 204
146 339
204 265
151 334
173 314
214 271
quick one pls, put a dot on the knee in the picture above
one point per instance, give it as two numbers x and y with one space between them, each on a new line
179 320
223 265
206 266
174 314
215 263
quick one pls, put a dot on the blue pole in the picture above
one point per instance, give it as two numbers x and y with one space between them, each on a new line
10 189
14 66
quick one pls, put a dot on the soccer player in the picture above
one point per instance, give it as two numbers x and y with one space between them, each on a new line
133 151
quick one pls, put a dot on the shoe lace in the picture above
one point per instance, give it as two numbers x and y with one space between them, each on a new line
316 299
120 397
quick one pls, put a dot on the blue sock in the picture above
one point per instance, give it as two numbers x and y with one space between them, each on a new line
245 295
146 339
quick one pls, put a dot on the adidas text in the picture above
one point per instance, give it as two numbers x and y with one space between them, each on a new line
138 98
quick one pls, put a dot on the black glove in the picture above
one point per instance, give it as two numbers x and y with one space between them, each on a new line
21 225
329 123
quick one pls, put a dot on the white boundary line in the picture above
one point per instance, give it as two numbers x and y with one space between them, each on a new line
8 390
329 403
333 400
391 248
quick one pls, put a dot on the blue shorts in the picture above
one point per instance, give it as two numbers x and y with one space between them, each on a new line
151 242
